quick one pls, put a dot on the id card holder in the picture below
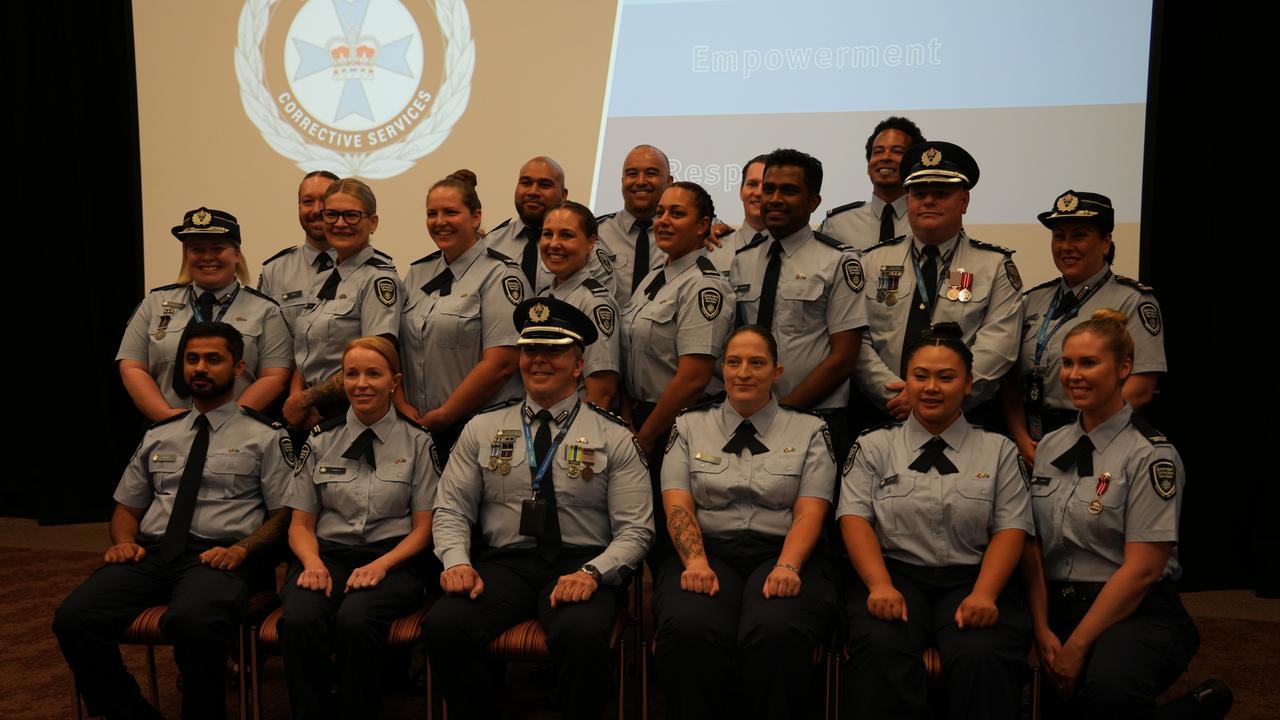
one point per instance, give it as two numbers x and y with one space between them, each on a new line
1033 397
533 516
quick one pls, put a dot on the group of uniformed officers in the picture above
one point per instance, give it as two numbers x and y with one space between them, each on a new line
685 394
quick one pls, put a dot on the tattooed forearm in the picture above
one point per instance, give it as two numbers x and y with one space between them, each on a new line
325 391
685 533
269 534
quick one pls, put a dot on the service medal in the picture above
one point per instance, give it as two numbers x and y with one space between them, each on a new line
1095 506
504 466
966 282
573 470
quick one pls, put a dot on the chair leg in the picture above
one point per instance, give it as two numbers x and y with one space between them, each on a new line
75 700
644 681
151 675
1035 692
242 674
256 691
826 686
622 677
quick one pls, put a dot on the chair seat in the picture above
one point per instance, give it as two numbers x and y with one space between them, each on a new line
933 663
404 631
528 641
145 629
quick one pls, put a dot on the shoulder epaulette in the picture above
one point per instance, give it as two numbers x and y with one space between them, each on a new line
708 268
881 426
179 416
704 405
595 287
606 216
383 255
1043 285
259 293
428 258
1148 431
753 242
171 286
501 225
1135 284
331 423
842 208
380 262
500 256
264 419
974 242
831 242
498 406
280 254
411 422
616 418
885 243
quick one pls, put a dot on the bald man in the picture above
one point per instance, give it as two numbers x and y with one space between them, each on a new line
646 173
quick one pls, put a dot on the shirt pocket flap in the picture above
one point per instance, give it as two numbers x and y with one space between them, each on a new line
343 306
787 464
804 290
231 463
659 312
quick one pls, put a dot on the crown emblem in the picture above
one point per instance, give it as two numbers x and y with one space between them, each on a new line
931 157
201 218
539 312
1068 202
353 60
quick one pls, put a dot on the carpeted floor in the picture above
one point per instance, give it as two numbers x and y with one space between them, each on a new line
1240 637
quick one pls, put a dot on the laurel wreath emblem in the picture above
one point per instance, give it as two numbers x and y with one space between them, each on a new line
388 161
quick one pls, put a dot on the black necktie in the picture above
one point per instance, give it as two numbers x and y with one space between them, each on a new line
529 260
1080 455
323 262
886 223
442 282
1067 302
362 446
330 288
656 284
745 437
769 287
549 541
206 302
932 457
640 266
920 315
184 505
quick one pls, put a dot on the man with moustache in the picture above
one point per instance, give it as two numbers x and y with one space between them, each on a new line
863 224
200 500
626 248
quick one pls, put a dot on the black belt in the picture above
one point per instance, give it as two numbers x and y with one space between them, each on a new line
1076 591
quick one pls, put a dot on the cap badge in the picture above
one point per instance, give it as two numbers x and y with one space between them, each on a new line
200 218
1068 202
539 312
931 157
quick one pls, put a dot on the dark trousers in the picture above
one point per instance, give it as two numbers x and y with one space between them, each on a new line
662 548
984 668
1131 662
700 639
517 587
353 626
205 607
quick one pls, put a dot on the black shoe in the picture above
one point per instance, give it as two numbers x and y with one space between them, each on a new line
1212 699
137 709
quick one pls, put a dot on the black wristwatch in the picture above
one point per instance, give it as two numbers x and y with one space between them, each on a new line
593 572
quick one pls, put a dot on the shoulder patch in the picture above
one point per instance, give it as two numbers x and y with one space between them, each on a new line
704 405
644 459
596 287
286 451
848 460
385 289
1135 284
1043 285
498 406
331 423
671 439
501 256
606 216
501 225
707 267
1164 478
280 254
974 242
605 262
1024 471
616 418
1144 426
1149 314
885 243
303 454
755 241
168 420
262 418
264 296
853 275
604 317
513 288
1011 270
832 242
428 258
826 438
710 302
842 208
171 286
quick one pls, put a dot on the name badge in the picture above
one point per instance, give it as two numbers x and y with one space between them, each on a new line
704 457
891 480
1040 480
331 470
291 295
163 457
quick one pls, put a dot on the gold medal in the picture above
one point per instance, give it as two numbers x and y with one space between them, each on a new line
573 470
953 293
891 299
504 466
493 463
1095 506
159 335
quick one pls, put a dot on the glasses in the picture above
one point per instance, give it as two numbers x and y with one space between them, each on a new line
351 216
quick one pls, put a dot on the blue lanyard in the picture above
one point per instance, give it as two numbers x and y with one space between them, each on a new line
946 267
540 471
220 312
1045 334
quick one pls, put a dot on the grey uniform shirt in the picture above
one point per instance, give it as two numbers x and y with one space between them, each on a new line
367 302
1104 290
289 278
508 239
722 257
246 473
691 315
820 293
155 329
443 338
611 507
991 320
356 504
736 493
858 224
596 302
616 251
1141 503
930 519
